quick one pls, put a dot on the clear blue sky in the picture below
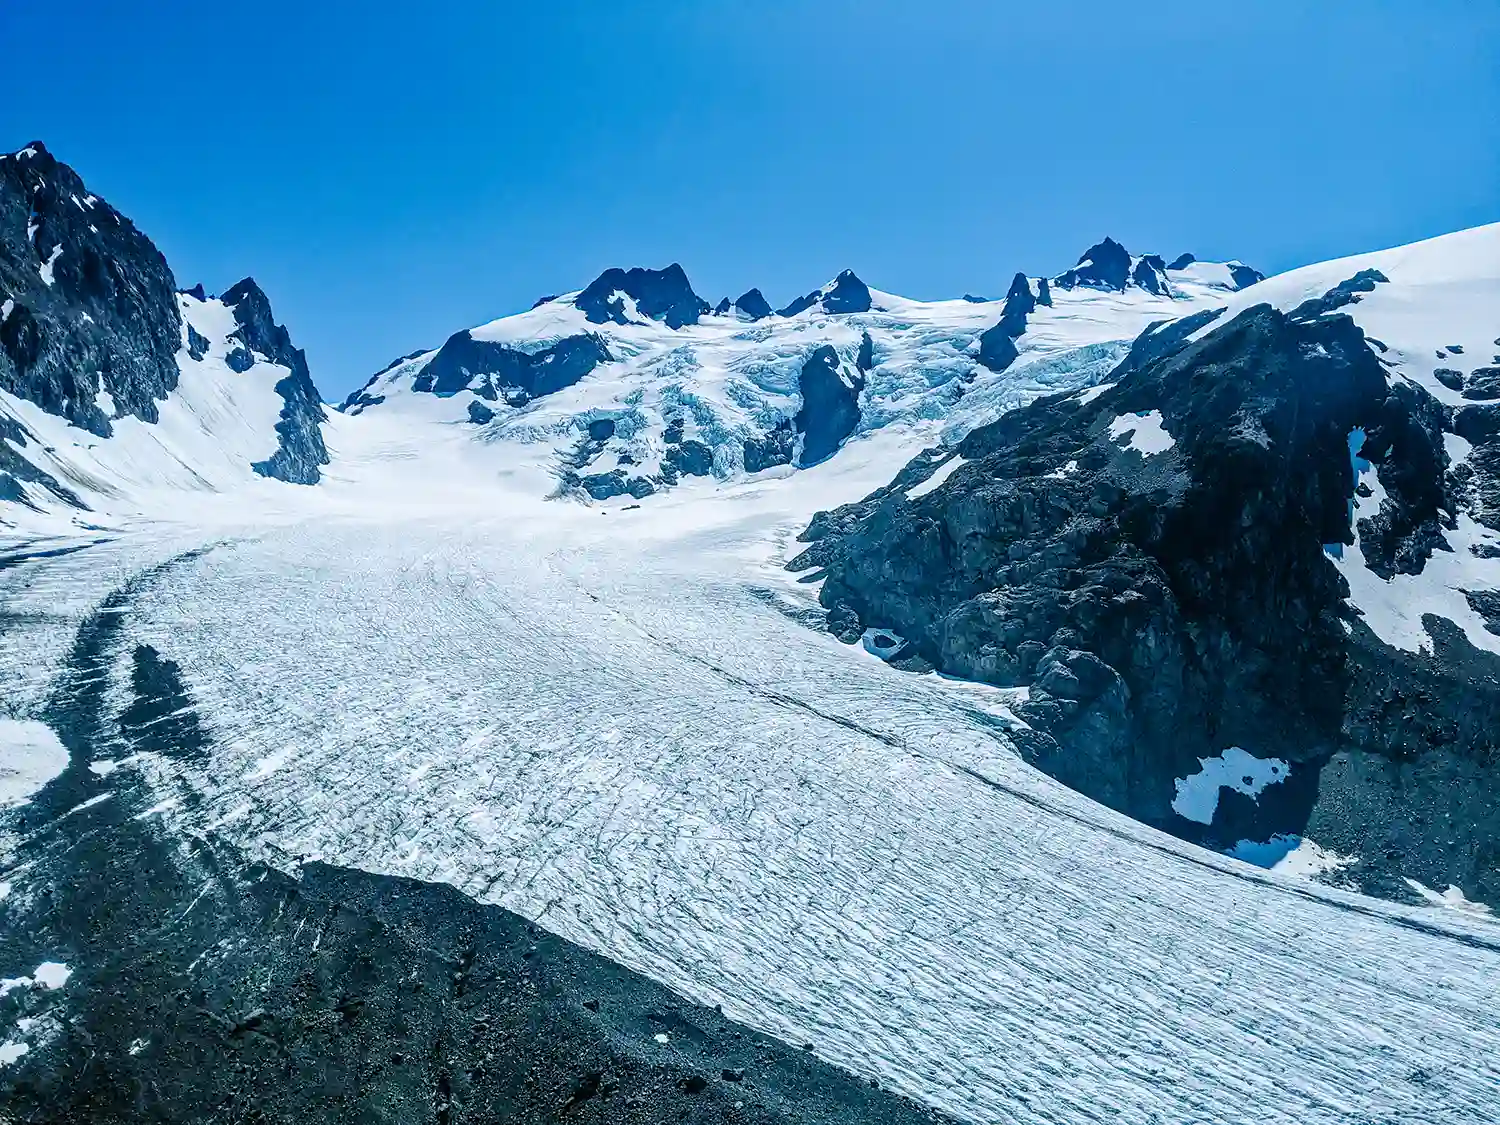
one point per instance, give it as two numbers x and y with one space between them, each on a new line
394 172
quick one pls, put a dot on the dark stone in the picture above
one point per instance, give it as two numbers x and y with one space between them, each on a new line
1182 261
1043 292
845 294
753 305
480 414
616 482
722 307
865 359
1148 274
538 303
493 370
1105 265
663 295
1453 380
689 459
973 300
848 294
1164 608
1244 276
300 451
997 350
601 429
1344 293
1482 383
830 405
775 448
108 322
197 343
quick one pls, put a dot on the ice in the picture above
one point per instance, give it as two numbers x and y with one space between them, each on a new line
45 269
618 725
30 756
942 473
1452 899
1198 794
627 726
12 1050
1148 436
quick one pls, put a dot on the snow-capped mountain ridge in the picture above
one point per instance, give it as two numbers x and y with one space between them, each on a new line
116 390
638 350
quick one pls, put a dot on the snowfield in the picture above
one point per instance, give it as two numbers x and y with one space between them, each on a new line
619 723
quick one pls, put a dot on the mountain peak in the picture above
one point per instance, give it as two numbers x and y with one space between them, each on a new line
664 295
844 294
1104 265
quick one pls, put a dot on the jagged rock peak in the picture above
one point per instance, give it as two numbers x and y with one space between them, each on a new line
844 294
663 295
753 305
93 328
1105 265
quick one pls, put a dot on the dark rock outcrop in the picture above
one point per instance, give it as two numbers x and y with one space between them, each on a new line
830 405
1105 265
300 451
90 303
775 448
1244 276
1167 601
663 295
1149 274
844 294
1181 262
997 349
753 305
500 372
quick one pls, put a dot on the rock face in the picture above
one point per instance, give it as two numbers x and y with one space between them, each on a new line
493 371
1153 562
300 451
997 349
830 405
844 294
753 305
663 295
1105 265
90 328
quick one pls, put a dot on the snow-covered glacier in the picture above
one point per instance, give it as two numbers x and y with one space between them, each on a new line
620 724
613 711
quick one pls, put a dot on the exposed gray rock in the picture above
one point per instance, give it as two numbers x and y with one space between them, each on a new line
108 319
1165 607
300 452
830 405
663 295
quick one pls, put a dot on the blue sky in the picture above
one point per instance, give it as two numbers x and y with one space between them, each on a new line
392 172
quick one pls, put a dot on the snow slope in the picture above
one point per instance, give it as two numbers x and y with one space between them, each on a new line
212 428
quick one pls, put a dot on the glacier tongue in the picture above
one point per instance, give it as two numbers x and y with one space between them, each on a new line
618 725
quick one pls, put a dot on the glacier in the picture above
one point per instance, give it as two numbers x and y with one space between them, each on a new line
622 721
630 735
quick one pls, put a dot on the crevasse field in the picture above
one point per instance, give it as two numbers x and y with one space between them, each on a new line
624 722
621 726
